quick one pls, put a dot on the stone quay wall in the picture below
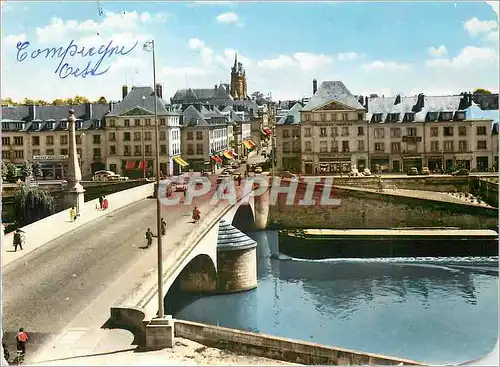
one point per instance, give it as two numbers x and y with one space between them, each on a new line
274 347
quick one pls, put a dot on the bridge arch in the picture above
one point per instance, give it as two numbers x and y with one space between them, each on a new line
199 275
244 218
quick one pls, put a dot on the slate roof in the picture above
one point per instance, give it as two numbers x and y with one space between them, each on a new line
204 95
292 117
134 100
332 91
386 106
232 239
45 115
193 117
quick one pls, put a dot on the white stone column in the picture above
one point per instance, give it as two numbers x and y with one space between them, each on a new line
74 193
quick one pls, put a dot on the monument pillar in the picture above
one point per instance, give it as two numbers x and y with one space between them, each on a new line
74 191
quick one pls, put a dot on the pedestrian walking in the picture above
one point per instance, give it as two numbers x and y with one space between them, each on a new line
18 240
101 200
239 180
21 340
72 214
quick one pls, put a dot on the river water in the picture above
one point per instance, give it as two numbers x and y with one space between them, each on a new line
439 310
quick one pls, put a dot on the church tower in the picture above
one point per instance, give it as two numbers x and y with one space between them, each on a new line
238 80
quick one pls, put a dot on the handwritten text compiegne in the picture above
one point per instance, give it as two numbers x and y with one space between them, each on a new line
72 58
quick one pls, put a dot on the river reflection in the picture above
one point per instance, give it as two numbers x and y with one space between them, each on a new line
431 310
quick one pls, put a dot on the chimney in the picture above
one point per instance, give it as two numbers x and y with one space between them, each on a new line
315 86
159 90
421 100
366 102
215 87
398 99
124 91
32 112
111 106
360 100
88 111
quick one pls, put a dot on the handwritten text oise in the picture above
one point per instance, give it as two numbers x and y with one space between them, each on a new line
68 57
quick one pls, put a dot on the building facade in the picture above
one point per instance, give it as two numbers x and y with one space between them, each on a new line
40 133
204 138
333 131
339 132
130 133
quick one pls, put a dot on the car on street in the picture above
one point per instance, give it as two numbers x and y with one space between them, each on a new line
234 165
367 172
200 180
225 176
413 171
355 173
258 169
287 174
425 171
461 172
236 175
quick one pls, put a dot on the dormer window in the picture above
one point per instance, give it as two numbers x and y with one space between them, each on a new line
377 117
460 115
63 125
432 116
446 116
97 124
78 124
393 117
19 126
409 116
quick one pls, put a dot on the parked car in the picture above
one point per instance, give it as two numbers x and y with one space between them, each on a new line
234 165
236 175
367 172
288 174
413 171
461 172
258 169
355 173
103 175
425 171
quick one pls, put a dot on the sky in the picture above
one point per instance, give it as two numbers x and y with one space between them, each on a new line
386 48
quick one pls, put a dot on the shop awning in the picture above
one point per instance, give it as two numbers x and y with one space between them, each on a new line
217 158
228 154
234 153
247 144
268 132
180 161
130 164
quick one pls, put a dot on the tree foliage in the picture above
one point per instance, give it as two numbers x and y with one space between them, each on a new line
102 100
58 102
36 169
11 170
257 95
26 170
481 91
5 171
31 204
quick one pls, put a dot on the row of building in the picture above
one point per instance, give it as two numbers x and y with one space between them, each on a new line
335 131
198 129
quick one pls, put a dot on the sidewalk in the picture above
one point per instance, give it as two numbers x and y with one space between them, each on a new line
42 232
84 335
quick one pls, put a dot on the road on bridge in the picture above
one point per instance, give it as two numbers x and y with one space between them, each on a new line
46 289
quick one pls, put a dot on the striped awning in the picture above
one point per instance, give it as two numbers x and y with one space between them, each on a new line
228 154
180 161
249 144
131 164
268 132
217 158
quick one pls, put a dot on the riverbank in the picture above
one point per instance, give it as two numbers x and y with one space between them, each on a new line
184 353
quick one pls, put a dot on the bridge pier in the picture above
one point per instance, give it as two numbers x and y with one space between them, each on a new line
261 209
160 333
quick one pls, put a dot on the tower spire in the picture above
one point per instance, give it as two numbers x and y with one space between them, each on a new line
235 60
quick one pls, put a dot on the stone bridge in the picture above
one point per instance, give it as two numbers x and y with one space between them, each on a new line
216 257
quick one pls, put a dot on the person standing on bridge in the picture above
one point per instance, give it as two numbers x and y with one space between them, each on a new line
105 203
101 199
18 240
72 214
149 237
163 227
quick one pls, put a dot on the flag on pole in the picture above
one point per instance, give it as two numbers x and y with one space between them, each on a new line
148 46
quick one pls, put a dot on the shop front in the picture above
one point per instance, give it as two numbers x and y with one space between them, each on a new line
53 166
308 167
412 161
181 165
335 165
361 164
463 161
482 164
435 162
292 164
379 163
134 168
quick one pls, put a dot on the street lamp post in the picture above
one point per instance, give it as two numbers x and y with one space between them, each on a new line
143 148
161 312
